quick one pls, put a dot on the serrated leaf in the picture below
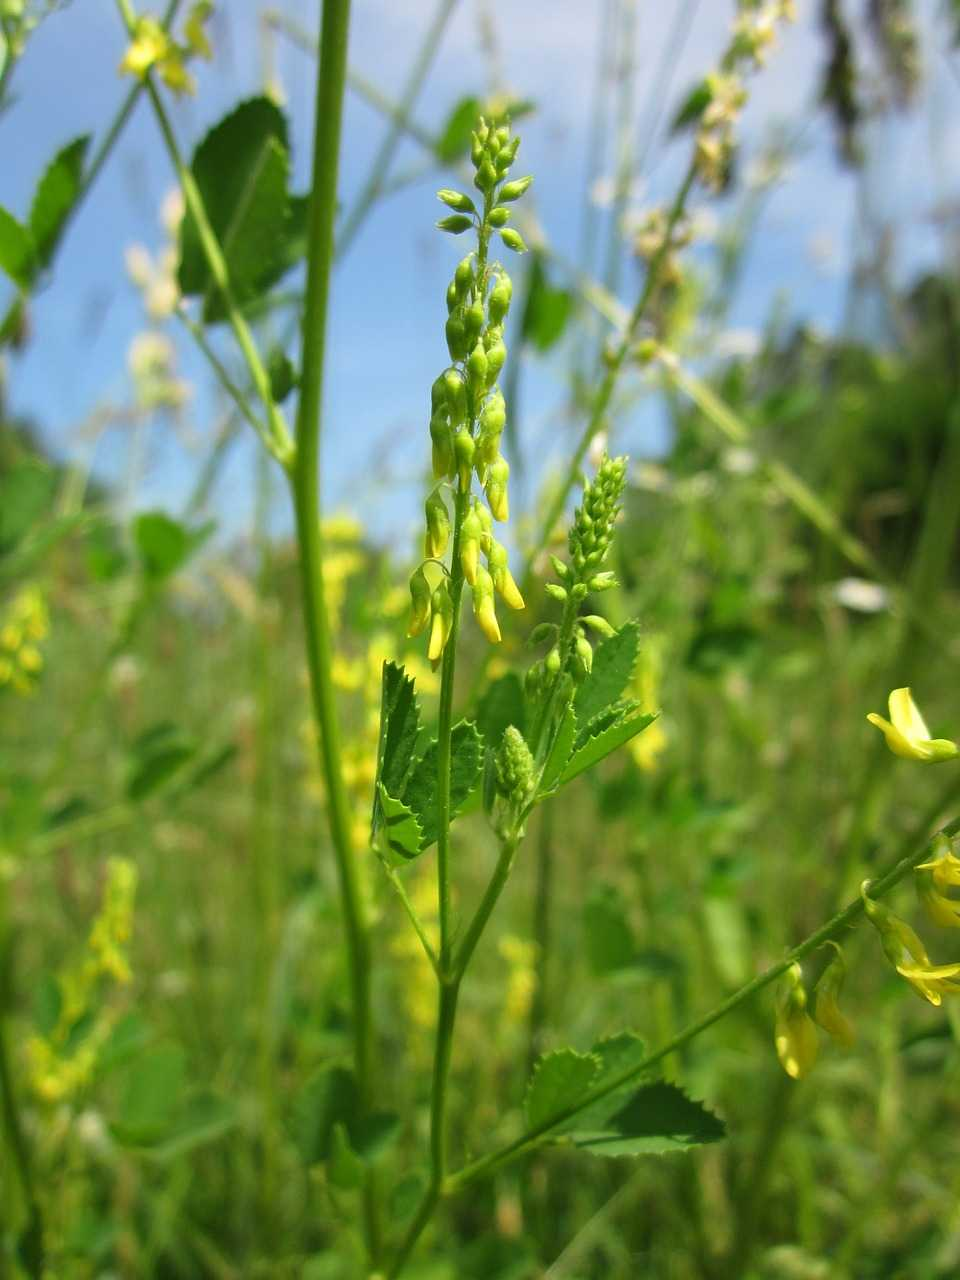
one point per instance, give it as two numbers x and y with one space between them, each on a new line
399 734
454 138
17 251
608 937
617 1055
658 1118
559 753
613 714
398 831
597 748
502 705
465 769
613 663
560 1079
55 196
241 168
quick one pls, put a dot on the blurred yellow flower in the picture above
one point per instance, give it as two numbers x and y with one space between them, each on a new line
906 952
932 878
795 1034
907 734
826 1011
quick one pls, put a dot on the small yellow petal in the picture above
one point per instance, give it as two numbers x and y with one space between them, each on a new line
906 716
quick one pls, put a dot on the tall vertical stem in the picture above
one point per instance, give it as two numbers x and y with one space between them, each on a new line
305 485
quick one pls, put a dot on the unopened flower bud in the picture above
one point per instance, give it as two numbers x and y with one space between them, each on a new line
795 1035
493 418
456 335
559 568
477 369
598 624
463 276
453 298
438 526
441 624
486 525
513 240
602 581
496 356
584 653
826 1010
455 223
502 577
483 605
471 531
441 439
556 592
514 189
499 217
516 769
473 323
456 200
552 661
507 155
495 488
419 602
456 393
486 176
464 448
542 632
499 301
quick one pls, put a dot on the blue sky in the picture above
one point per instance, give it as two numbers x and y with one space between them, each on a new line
388 308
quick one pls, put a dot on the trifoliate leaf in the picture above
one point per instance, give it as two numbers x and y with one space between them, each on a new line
597 748
466 766
399 734
613 664
398 831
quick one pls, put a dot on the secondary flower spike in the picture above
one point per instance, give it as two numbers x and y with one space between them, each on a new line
907 734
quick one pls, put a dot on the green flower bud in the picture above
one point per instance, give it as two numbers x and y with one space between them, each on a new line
591 534
499 217
419 602
513 240
559 568
579 591
463 276
456 336
471 531
473 323
486 176
486 526
500 296
552 661
455 223
507 155
495 488
493 143
438 393
476 149
584 652
502 135
516 769
484 607
441 438
493 418
598 624
556 592
456 200
496 356
514 190
502 577
542 632
441 622
456 393
477 369
452 297
464 448
438 526
602 581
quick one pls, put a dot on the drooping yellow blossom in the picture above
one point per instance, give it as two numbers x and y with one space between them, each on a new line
907 734
906 952
932 878
795 1035
826 1010
25 624
154 48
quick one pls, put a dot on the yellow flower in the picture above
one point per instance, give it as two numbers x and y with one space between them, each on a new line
906 952
932 878
795 1035
193 31
907 734
150 43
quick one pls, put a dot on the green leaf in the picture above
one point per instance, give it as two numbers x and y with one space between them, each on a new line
693 106
617 1055
613 664
330 1099
282 374
151 1095
559 753
502 705
26 492
399 735
398 831
164 544
203 1117
17 251
600 746
658 1118
547 310
55 196
607 933
241 168
611 715
559 1081
454 137
466 766
157 756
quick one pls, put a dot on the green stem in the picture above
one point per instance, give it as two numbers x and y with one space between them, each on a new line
238 396
418 928
542 901
615 363
831 930
305 484
279 442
